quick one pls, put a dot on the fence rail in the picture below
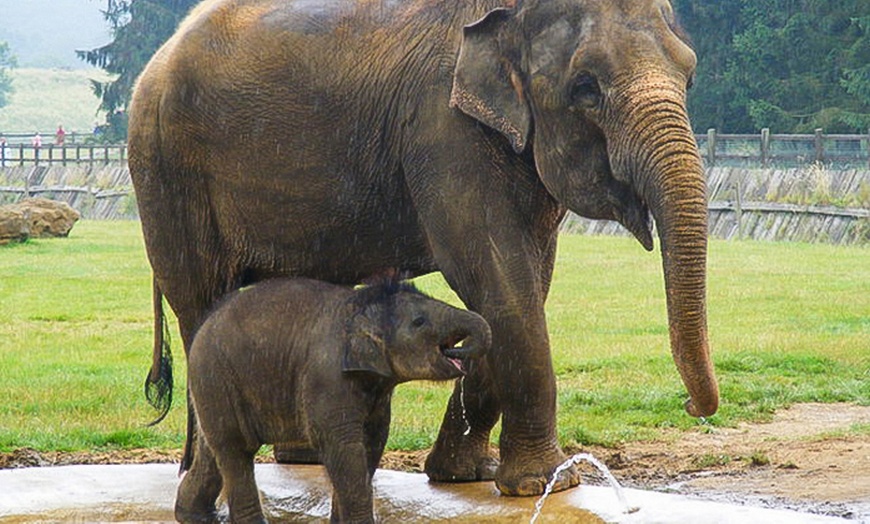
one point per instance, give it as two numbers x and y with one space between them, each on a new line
70 138
21 154
764 150
773 150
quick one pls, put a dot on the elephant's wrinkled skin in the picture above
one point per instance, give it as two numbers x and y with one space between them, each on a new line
316 363
334 139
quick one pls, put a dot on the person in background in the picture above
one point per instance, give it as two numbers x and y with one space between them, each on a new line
36 141
59 136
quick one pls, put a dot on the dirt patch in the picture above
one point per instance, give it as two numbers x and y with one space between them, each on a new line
806 458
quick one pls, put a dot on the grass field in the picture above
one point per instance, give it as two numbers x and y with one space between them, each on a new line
788 323
44 98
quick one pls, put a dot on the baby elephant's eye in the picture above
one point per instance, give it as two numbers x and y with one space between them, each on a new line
418 322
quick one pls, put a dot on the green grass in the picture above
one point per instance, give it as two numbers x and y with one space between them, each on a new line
44 98
788 323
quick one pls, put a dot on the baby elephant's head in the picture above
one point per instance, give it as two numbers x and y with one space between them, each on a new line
401 333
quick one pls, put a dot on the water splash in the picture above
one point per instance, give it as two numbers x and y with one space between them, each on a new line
620 494
462 403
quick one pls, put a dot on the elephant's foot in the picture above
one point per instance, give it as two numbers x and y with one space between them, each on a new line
188 515
468 469
528 475
296 453
462 463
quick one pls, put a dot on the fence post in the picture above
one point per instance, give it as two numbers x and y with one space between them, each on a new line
765 147
711 146
91 198
21 154
819 145
738 209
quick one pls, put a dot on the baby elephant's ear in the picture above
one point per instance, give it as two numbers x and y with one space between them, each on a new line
365 351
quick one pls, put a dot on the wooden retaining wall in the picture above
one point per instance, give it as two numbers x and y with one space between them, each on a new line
99 192
808 204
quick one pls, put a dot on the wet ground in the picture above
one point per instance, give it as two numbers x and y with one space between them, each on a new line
144 493
812 459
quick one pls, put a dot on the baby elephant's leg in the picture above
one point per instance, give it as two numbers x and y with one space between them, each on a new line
347 466
200 487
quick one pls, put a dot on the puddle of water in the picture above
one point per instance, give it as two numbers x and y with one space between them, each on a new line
576 459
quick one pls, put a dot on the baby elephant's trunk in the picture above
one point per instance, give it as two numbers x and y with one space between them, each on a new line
475 333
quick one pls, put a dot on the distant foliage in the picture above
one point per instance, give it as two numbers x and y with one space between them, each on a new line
7 61
789 65
139 28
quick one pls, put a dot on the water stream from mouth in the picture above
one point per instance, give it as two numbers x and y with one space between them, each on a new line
462 403
620 494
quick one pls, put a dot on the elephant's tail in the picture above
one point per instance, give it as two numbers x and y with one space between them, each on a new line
158 383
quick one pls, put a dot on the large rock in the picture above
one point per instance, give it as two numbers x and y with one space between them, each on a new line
47 218
14 225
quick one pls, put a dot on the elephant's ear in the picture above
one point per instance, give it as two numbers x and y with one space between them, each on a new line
365 349
486 86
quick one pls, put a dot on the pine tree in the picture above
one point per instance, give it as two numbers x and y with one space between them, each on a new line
139 28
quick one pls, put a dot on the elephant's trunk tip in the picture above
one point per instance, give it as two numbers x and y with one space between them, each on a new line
706 408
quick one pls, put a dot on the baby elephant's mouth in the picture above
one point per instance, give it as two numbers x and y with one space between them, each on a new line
454 352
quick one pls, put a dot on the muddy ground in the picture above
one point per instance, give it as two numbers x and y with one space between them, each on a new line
806 458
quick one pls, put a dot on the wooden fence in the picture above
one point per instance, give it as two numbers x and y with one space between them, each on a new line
772 150
67 154
718 149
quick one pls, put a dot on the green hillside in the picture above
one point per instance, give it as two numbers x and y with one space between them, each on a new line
44 98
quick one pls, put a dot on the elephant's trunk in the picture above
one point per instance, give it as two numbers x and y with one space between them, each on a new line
659 154
475 333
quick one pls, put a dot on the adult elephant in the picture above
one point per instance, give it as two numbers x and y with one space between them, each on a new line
337 139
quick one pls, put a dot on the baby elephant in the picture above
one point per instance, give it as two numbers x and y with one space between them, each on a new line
295 360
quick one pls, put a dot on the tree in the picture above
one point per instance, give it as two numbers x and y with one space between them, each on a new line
802 64
856 75
7 62
790 65
712 26
139 28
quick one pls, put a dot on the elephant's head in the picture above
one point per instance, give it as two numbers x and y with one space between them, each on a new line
597 91
400 333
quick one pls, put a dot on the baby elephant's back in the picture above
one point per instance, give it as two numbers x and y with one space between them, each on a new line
275 321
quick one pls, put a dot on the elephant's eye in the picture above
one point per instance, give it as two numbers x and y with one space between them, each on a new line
584 91
418 322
